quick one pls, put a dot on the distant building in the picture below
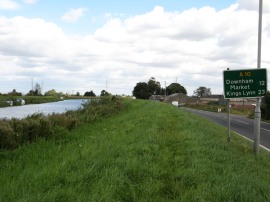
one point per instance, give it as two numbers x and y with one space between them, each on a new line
181 98
248 103
160 98
211 98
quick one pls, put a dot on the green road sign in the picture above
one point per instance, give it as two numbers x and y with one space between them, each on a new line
248 83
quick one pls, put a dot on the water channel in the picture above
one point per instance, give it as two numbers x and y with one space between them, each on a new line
46 108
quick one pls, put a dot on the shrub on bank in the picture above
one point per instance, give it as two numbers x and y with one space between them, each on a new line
16 132
69 120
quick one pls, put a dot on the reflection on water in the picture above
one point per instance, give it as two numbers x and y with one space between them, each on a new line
46 108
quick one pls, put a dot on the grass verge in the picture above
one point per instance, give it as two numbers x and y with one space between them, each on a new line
151 151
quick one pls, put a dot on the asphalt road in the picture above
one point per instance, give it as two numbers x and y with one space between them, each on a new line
239 124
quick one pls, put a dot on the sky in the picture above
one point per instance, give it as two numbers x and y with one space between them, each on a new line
83 45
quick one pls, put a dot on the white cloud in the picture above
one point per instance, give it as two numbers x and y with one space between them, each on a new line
30 37
8 5
254 5
194 46
30 1
74 15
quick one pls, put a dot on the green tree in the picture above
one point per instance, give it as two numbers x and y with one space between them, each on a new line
153 86
162 92
104 93
36 91
265 106
90 93
60 94
141 91
202 92
175 88
51 93
15 93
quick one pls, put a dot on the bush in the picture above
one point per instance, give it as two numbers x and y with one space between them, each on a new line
7 137
18 128
67 120
45 128
59 132
265 109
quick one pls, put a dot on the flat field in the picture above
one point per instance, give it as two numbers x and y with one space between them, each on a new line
150 151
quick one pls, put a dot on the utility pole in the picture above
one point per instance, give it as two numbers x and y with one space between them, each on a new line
165 91
229 121
257 120
229 118
32 85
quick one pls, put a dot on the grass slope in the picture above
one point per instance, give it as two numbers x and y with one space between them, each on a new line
149 152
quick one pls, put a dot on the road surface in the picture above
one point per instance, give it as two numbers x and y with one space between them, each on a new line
239 124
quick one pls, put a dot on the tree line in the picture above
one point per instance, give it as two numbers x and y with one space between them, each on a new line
143 90
37 91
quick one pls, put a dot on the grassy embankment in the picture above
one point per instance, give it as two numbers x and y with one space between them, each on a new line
150 151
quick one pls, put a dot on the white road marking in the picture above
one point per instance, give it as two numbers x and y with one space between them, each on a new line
241 122
267 149
225 117
265 130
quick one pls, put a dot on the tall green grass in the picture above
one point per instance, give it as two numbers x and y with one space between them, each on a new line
151 151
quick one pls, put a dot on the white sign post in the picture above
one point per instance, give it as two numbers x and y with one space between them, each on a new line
257 120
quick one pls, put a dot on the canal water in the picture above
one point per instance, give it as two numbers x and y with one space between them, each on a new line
46 108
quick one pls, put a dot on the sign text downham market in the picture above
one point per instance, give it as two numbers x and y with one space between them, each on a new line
245 83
